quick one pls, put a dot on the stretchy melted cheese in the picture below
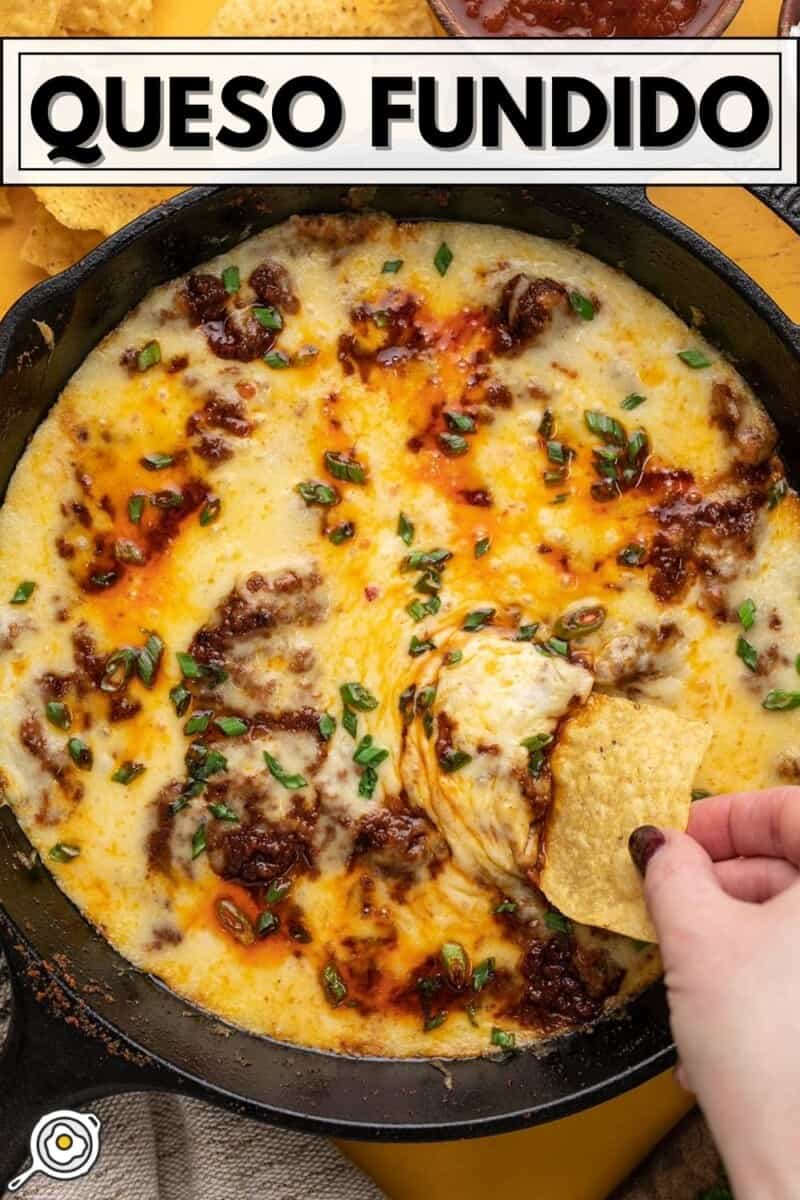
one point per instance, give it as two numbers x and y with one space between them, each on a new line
330 542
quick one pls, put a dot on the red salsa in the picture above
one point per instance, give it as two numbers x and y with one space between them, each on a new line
583 18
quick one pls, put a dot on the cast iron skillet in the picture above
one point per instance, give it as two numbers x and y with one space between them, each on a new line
85 1022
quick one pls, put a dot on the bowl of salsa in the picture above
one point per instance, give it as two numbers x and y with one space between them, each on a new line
585 18
790 18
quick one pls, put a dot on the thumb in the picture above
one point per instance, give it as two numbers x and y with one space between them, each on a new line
681 889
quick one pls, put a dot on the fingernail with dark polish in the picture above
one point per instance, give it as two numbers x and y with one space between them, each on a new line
643 844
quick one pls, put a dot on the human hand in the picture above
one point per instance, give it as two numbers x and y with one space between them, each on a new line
726 903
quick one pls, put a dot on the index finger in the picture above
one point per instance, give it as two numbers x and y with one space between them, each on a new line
749 825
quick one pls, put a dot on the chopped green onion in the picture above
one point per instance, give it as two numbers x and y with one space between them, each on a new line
342 467
633 401
223 812
419 559
747 614
557 452
23 593
118 669
58 714
318 493
203 762
506 906
269 317
536 746
405 529
335 986
582 306
483 974
278 891
418 646
459 422
607 428
506 1041
181 698
210 511
292 782
326 726
135 508
148 658
266 923
478 619
455 963
442 258
128 771
482 546
557 922
434 1022
453 657
157 462
557 646
350 722
355 695
199 841
696 359
453 444
190 667
148 356
80 754
342 533
277 360
580 621
231 726
779 701
526 633
198 722
547 424
419 609
235 921
231 280
367 755
391 266
62 852
451 760
367 783
747 653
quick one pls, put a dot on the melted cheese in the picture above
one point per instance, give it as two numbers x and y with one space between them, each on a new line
547 554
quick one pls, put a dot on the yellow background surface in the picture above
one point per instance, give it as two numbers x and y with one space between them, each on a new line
586 1156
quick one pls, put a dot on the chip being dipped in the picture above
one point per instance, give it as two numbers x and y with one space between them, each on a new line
618 765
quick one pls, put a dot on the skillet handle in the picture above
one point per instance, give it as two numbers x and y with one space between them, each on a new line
56 1055
783 199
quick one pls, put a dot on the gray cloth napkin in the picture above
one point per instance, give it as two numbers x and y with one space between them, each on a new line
162 1147
159 1147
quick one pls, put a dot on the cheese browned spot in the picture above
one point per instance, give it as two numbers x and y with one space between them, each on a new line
331 552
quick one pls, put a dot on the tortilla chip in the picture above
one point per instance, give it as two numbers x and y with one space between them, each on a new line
37 18
6 212
103 208
323 18
52 247
618 765
111 18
